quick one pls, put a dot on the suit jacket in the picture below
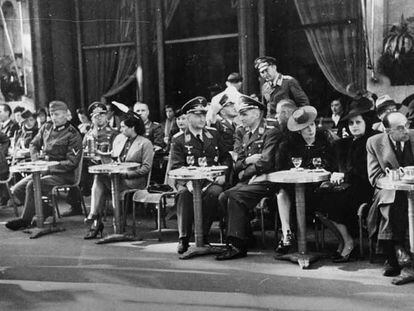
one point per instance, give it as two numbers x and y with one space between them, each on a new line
141 152
380 155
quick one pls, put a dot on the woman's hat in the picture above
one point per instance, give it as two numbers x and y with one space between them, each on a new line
356 110
301 118
385 100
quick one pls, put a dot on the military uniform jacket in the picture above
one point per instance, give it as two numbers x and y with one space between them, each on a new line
25 136
185 143
62 144
285 87
262 141
227 132
155 133
101 134
9 128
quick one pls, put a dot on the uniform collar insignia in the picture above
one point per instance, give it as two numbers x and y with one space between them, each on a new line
261 130
187 137
61 127
208 134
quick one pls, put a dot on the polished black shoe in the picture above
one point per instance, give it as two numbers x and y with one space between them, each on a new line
17 224
73 211
232 252
391 270
284 244
403 258
346 258
182 245
93 232
336 255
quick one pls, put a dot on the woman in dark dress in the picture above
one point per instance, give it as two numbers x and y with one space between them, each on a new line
312 148
351 181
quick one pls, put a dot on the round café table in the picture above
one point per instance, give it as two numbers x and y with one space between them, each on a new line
114 170
36 168
300 178
408 187
197 175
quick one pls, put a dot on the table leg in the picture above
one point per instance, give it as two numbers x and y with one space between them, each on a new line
407 273
37 195
37 192
302 257
199 249
118 235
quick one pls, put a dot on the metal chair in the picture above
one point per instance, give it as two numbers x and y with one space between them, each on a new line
158 199
6 183
362 214
56 189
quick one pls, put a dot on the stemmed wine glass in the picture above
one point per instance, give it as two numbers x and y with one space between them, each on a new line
296 161
190 160
202 161
317 163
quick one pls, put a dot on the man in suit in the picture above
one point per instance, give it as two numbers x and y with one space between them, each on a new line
8 126
278 86
255 158
195 143
392 149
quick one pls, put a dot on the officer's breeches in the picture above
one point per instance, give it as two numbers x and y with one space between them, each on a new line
241 199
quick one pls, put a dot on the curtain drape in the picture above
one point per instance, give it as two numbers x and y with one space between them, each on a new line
334 31
108 70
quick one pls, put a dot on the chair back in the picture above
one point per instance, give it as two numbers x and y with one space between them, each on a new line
78 171
167 180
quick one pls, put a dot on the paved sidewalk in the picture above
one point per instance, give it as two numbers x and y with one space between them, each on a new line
65 272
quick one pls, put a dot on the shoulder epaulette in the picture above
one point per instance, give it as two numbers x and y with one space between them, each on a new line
178 134
211 128
155 123
287 77
270 127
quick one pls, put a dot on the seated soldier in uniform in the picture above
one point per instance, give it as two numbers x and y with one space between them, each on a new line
61 142
256 157
190 147
102 136
129 146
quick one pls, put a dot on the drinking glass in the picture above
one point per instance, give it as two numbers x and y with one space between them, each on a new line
202 161
190 160
296 161
317 163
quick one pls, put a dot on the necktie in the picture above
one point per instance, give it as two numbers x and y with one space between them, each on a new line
399 152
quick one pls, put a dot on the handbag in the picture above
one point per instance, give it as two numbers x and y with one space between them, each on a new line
159 188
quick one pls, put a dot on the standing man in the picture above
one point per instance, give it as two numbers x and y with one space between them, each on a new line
153 130
113 120
8 126
60 141
169 123
232 91
255 158
337 111
392 149
278 86
197 142
155 133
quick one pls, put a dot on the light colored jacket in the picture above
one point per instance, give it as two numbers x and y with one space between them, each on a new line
141 152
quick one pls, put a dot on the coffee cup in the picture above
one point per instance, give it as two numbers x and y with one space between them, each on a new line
394 174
